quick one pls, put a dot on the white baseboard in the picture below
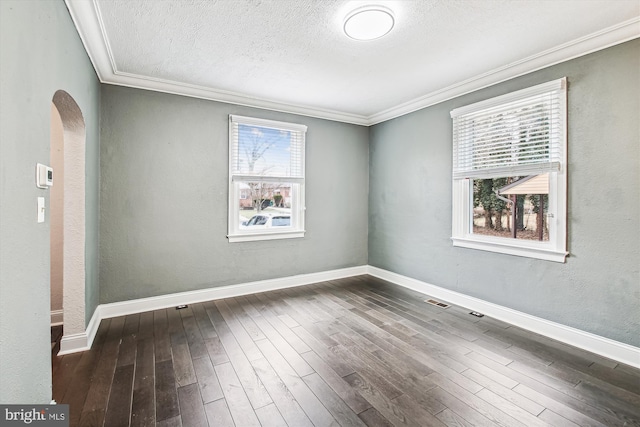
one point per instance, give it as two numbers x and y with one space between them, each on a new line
191 297
606 347
81 342
57 317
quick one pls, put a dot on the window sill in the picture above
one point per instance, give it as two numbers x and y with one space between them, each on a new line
235 238
543 253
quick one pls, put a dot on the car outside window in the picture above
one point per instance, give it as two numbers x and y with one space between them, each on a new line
281 221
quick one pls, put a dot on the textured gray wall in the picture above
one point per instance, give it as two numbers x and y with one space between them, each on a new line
164 185
598 289
40 53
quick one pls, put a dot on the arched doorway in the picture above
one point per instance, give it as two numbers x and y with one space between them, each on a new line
68 211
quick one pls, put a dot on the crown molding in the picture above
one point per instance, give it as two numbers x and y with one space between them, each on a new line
195 91
87 18
603 39
88 21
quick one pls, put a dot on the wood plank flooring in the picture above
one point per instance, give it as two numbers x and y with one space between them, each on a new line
349 352
56 336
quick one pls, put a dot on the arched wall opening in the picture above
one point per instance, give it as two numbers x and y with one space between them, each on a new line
56 218
68 231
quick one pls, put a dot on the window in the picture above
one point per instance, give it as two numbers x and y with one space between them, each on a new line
509 173
266 179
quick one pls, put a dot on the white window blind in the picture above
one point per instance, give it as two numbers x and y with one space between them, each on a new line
521 133
265 150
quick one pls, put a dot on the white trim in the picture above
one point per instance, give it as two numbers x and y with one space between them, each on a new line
88 22
201 92
57 317
81 341
606 347
527 249
518 95
171 300
617 34
237 238
266 123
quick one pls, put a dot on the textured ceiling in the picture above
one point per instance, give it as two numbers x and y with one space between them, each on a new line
292 55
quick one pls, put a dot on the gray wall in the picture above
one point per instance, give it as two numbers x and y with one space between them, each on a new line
598 289
40 53
164 185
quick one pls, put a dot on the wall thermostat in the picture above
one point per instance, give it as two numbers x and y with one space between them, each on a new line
44 176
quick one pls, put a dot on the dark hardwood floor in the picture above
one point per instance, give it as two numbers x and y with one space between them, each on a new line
56 336
349 352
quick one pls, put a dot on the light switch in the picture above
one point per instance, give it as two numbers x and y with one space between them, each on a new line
40 209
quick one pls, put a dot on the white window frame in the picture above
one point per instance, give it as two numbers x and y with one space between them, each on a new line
296 230
555 249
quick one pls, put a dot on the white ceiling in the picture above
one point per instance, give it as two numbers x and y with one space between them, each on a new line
291 55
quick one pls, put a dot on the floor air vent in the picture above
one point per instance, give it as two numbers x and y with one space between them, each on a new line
436 303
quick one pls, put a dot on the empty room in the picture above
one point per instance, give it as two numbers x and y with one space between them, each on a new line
320 213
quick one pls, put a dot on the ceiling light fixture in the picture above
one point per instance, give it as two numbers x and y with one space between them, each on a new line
368 22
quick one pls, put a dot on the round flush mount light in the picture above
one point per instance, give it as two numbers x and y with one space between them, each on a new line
368 22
